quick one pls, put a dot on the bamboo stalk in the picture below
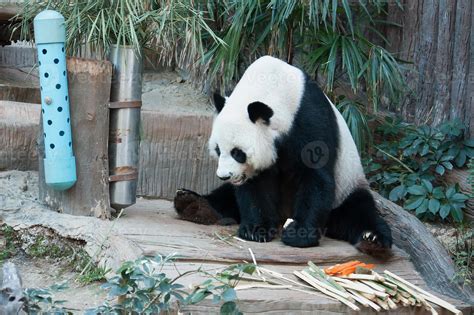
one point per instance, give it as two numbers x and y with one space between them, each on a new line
344 294
374 286
359 276
311 281
282 277
255 263
391 304
382 304
321 274
371 297
428 296
358 298
414 294
261 286
364 301
358 286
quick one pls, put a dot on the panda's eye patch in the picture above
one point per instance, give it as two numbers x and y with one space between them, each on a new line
238 155
218 151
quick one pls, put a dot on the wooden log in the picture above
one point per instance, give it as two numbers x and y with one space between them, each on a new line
428 255
12 298
89 92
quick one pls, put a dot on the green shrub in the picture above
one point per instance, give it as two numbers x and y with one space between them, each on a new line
409 167
141 286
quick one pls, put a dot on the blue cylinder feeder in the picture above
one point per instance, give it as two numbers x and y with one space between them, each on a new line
59 161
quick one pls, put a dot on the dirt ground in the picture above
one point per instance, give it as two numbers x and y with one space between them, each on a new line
45 272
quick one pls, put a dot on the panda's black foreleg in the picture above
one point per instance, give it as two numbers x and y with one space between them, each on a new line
356 220
312 207
218 207
258 204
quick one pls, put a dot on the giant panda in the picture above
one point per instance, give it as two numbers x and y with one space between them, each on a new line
284 151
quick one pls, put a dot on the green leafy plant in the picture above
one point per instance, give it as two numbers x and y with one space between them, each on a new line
93 274
463 254
356 120
426 200
141 286
409 167
41 301
177 28
10 242
332 36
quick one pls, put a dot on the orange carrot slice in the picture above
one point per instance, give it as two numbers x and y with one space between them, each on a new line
339 267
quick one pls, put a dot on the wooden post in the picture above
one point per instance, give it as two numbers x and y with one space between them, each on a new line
89 92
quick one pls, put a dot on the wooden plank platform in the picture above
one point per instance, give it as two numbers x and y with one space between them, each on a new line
153 227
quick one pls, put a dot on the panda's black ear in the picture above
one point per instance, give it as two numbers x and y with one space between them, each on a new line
219 101
258 110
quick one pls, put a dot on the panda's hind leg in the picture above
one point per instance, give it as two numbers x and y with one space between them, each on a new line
218 207
356 221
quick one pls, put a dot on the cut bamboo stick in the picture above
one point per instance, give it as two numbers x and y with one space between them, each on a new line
311 281
358 298
383 304
327 286
315 270
262 286
371 297
428 296
391 304
364 301
414 294
374 285
357 276
282 277
358 286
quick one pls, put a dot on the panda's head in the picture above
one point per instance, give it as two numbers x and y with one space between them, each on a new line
242 141
261 108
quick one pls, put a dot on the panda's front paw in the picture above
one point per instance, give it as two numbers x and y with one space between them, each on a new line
193 207
184 198
300 235
256 233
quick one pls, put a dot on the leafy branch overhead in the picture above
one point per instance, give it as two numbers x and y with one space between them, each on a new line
217 39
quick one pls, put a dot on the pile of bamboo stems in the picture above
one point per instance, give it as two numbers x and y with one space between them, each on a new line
370 289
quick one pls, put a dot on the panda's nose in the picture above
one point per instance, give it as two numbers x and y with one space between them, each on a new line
224 177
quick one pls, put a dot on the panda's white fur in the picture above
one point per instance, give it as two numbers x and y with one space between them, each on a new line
280 86
270 81
349 173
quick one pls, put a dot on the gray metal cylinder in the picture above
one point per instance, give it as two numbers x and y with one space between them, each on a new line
124 137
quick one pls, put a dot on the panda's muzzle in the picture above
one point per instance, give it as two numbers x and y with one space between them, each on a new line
239 181
224 177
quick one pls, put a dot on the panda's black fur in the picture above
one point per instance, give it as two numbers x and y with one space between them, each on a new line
291 189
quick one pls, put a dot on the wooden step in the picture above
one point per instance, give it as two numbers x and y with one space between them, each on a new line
19 85
18 132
